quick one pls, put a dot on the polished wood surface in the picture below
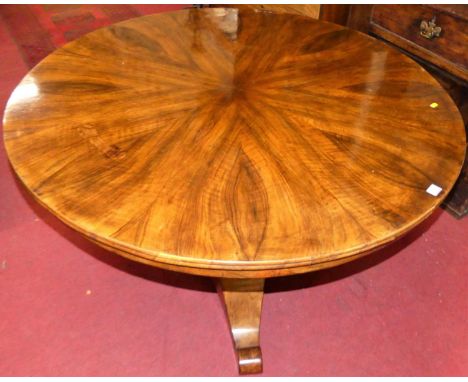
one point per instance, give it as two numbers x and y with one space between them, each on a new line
400 24
445 57
310 10
457 200
335 13
243 303
200 141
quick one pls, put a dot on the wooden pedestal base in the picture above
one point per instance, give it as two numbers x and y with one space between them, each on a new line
243 302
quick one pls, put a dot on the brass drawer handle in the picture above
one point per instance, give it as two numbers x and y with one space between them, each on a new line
429 29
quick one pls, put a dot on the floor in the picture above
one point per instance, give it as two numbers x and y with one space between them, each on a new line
69 308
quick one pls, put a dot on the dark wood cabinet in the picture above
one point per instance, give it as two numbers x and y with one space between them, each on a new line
434 33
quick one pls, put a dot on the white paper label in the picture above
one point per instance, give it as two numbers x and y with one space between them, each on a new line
434 190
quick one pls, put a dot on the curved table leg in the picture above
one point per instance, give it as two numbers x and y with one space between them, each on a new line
243 302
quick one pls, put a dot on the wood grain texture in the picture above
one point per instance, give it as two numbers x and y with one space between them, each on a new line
335 13
310 10
400 24
201 141
243 303
457 201
359 17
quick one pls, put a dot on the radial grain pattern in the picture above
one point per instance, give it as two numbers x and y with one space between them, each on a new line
228 143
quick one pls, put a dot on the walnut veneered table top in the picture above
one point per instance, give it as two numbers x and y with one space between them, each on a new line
234 144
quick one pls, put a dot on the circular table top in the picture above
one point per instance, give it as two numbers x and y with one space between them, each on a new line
235 144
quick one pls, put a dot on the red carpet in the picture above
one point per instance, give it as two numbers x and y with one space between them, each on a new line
69 308
39 29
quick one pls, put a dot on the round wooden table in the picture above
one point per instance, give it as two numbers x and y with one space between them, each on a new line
234 145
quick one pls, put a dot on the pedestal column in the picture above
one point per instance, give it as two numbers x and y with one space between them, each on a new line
243 303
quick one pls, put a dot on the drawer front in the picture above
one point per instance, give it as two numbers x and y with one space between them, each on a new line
405 22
